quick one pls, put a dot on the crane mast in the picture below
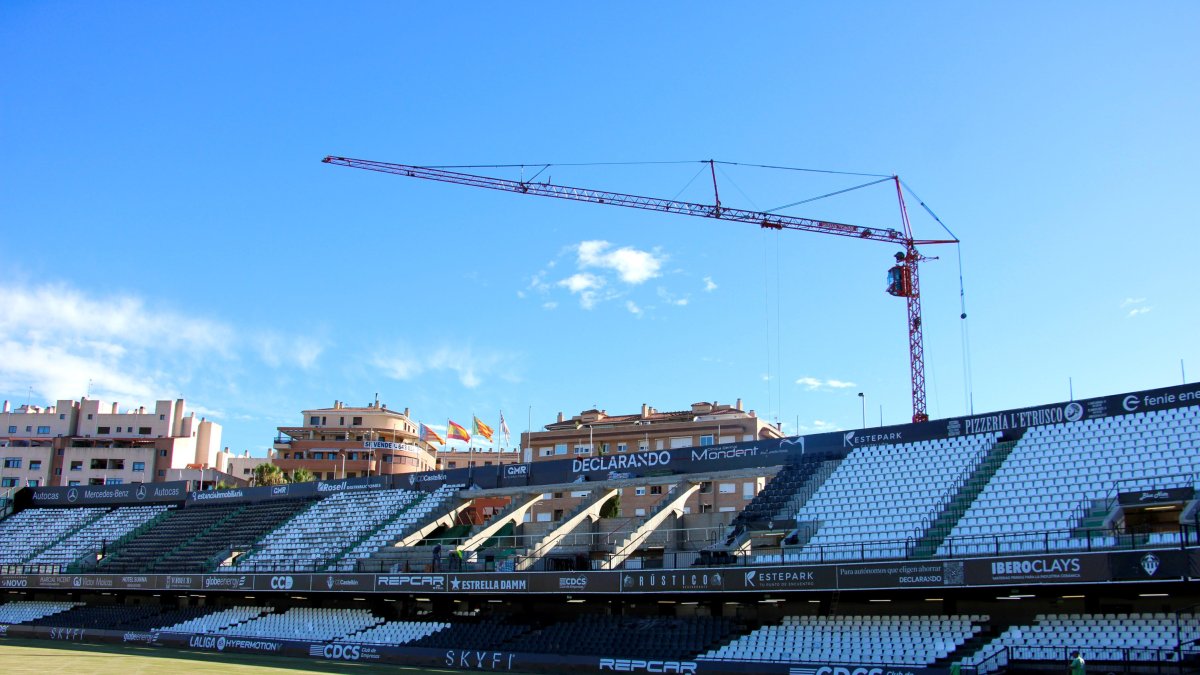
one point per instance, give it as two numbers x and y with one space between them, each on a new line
903 278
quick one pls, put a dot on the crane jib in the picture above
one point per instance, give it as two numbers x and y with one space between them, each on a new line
907 261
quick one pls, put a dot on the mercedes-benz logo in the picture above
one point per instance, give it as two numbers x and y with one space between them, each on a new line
72 495
141 493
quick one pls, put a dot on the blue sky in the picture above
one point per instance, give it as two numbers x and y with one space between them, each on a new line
170 230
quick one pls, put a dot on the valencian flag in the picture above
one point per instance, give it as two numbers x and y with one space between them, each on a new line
504 430
430 436
456 432
482 429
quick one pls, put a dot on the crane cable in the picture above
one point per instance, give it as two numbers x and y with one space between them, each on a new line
969 386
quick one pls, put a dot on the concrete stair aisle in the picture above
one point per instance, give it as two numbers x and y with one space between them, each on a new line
954 509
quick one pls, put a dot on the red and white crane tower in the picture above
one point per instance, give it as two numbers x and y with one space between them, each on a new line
903 279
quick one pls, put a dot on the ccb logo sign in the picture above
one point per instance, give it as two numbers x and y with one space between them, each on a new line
281 583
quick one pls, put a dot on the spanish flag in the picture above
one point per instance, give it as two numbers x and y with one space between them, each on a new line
430 436
482 429
456 432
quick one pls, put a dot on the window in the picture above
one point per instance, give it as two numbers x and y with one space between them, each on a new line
543 517
727 488
28 429
583 450
144 430
560 448
452 465
640 492
122 429
104 430
581 493
62 416
681 442
89 416
35 465
622 447
162 472
99 464
328 475
748 490
95 481
162 418
12 429
354 421
77 466
643 446
12 462
33 482
656 489
639 512
113 481
162 453
139 466
58 471
318 455
8 482
116 463
546 452
706 439
72 483
43 430
314 420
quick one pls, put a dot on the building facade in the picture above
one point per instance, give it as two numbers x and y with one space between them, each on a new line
86 443
348 442
595 432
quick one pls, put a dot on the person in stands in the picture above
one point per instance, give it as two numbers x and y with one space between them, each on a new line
437 557
1078 666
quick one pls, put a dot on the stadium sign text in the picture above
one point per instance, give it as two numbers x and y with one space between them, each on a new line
640 666
473 660
618 462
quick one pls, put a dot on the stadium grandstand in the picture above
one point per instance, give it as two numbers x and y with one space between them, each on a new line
992 543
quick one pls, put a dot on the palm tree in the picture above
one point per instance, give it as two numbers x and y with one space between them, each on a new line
268 474
302 475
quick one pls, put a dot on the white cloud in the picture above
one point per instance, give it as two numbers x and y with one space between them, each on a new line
1132 301
817 426
1137 305
471 365
550 305
816 383
1136 311
709 285
64 343
633 266
577 283
669 298
633 308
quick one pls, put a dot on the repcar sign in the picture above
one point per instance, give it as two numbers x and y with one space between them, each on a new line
647 666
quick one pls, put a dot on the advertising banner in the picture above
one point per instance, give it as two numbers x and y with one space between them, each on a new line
900 575
1151 497
102 495
658 581
574 582
1044 569
781 578
1148 565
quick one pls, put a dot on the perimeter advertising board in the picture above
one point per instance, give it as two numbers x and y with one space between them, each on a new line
1041 569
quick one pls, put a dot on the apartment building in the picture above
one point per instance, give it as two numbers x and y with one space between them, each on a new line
595 432
86 442
348 442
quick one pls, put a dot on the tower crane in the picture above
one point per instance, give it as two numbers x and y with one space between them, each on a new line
903 279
